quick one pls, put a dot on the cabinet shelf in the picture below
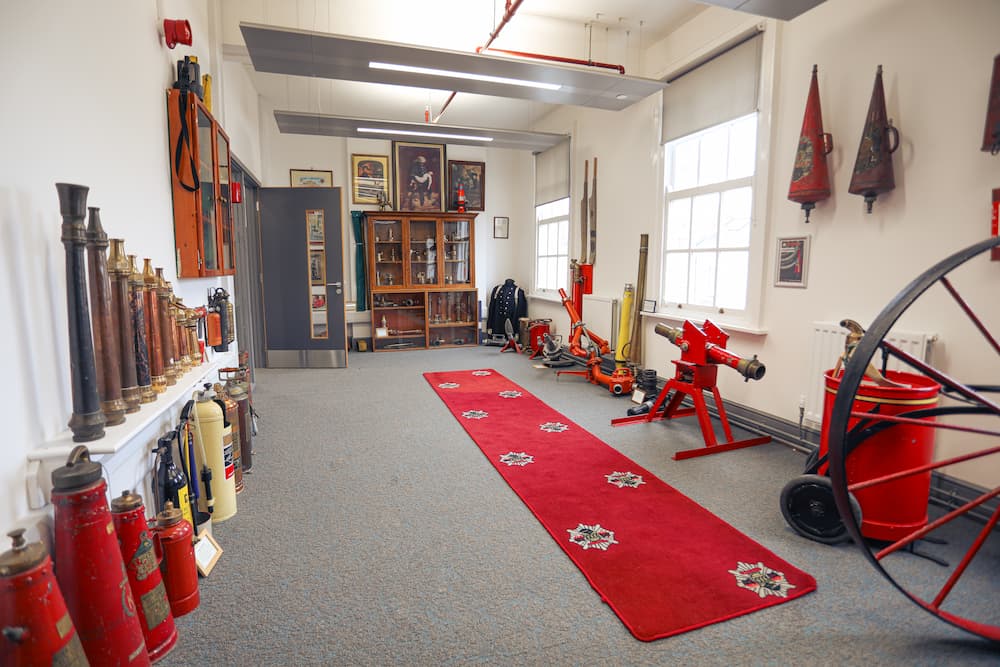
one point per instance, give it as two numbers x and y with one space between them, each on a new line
444 288
203 224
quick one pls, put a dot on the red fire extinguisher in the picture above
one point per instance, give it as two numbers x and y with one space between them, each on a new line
37 628
174 543
136 546
91 572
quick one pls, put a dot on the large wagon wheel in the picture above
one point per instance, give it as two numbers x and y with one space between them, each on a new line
965 408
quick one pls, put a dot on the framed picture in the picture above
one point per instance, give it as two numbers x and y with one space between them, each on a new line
648 306
369 177
501 227
317 267
471 176
206 553
310 178
792 262
314 226
418 174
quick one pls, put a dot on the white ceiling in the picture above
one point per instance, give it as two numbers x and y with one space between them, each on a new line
612 31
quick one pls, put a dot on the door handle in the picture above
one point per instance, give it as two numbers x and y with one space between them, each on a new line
338 285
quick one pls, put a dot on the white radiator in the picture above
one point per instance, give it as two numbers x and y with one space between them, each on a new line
827 346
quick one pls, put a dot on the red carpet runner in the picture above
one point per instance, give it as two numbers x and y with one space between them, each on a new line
661 561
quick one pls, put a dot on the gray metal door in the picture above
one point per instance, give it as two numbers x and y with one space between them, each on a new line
303 266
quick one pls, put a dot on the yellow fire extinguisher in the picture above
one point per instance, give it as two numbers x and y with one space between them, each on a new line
213 438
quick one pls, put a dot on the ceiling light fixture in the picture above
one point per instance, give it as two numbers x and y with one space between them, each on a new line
464 75
413 133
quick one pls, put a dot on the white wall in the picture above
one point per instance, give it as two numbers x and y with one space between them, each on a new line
509 184
937 58
85 103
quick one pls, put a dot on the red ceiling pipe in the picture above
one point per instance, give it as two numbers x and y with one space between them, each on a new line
559 59
511 8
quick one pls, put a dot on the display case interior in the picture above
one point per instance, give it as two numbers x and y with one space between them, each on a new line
399 320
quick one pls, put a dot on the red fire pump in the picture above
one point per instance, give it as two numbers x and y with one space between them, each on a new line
702 349
620 380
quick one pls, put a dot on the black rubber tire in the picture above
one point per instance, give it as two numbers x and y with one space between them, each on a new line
808 505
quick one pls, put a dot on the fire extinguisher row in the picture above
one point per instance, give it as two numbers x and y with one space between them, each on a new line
120 579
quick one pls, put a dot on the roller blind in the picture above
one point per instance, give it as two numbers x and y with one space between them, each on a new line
722 88
552 174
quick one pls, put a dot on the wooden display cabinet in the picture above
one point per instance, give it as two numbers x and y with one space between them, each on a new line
422 277
203 223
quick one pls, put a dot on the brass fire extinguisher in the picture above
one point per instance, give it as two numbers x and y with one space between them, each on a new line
233 417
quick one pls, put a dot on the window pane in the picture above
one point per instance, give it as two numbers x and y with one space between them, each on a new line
705 221
734 218
553 231
713 156
562 273
743 147
703 278
684 166
679 224
540 274
543 238
675 272
563 234
732 288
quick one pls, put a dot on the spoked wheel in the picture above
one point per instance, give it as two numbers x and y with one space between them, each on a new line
963 432
808 506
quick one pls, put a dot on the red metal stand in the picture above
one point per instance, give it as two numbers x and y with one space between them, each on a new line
511 344
692 380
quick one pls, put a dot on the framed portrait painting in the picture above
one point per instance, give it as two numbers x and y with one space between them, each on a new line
418 172
369 178
471 176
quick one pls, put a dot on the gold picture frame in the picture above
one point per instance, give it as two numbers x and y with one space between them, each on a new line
310 178
370 175
206 553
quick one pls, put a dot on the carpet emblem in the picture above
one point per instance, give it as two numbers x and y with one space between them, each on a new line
475 414
592 537
481 373
449 385
553 427
760 579
625 479
517 458
510 393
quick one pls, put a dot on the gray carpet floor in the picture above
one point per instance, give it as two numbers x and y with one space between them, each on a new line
372 531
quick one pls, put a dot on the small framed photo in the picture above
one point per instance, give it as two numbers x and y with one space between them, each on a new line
471 177
317 267
314 225
369 178
648 306
206 553
310 178
501 227
792 261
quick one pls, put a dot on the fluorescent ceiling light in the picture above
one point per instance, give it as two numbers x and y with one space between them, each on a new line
439 135
465 75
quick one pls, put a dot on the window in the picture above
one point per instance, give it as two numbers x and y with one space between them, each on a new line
552 246
708 212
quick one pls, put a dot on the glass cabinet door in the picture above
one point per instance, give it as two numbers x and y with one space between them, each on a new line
457 252
398 320
423 252
387 244
206 175
225 215
452 318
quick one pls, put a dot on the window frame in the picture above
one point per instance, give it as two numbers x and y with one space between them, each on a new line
562 278
749 320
